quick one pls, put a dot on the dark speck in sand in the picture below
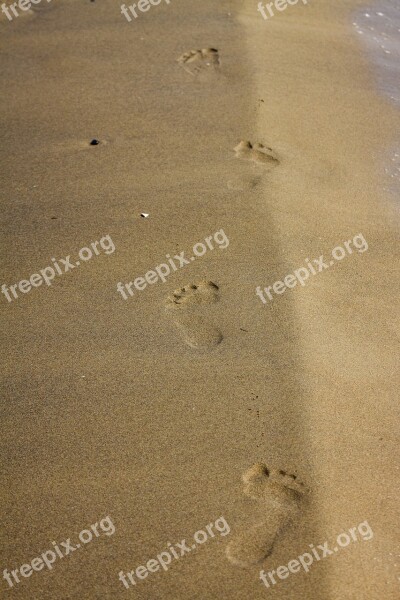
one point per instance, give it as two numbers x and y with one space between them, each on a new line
94 143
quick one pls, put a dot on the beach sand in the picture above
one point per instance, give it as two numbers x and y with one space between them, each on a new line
150 410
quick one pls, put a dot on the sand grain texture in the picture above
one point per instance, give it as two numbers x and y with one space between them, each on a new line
108 407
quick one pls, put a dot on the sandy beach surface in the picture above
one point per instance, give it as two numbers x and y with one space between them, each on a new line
205 393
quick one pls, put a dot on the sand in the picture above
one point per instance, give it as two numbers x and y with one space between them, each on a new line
192 399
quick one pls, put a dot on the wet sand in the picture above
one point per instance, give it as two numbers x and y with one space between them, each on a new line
107 409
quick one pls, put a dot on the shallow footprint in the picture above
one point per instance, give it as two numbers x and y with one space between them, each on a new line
183 304
281 494
257 152
196 61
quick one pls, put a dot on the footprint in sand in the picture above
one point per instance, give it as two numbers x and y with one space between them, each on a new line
281 494
258 153
184 306
197 61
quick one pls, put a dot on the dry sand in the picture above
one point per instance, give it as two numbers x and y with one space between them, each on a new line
107 409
